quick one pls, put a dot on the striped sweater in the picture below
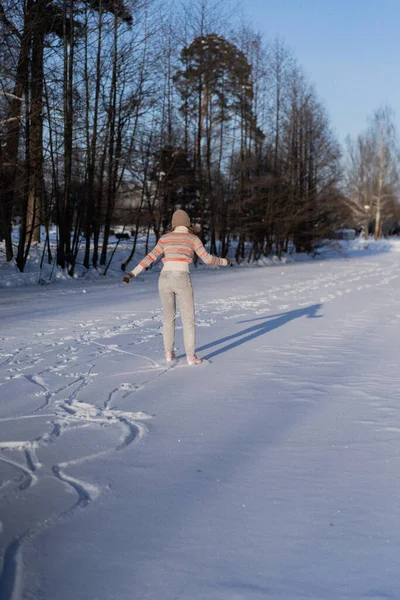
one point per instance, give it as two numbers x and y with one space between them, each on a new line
178 248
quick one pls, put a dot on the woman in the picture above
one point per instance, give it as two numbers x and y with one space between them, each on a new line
178 248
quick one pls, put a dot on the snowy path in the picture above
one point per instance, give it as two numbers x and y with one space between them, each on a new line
270 472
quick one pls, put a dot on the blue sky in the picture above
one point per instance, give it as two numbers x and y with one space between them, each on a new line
349 49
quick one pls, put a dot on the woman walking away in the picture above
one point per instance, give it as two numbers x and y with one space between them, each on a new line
178 248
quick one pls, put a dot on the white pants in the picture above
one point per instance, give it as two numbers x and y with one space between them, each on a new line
173 285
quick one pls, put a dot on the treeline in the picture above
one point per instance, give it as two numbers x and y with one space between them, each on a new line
117 112
372 176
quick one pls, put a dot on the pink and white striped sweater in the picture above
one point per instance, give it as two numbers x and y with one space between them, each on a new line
178 248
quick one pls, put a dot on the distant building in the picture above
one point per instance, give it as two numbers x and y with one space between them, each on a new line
132 197
344 234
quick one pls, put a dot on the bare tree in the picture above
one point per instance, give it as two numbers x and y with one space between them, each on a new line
386 185
372 174
359 181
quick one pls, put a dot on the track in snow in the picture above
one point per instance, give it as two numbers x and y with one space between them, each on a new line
59 368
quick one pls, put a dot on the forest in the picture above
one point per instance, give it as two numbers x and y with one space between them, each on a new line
113 113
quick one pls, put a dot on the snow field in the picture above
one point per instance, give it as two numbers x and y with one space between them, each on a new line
270 472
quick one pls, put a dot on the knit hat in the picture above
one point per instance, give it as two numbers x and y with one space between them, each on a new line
180 217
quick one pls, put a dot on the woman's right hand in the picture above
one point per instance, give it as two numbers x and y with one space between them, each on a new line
127 278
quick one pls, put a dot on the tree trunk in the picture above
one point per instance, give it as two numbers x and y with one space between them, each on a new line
9 163
111 147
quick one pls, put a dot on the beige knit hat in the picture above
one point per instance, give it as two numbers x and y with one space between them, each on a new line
179 218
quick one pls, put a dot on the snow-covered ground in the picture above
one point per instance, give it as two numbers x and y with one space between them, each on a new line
38 271
270 472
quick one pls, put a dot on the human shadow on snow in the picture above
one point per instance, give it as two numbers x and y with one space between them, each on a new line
269 323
